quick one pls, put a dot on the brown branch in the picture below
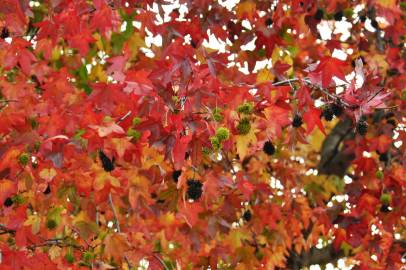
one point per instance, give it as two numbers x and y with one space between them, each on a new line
60 242
322 256
5 230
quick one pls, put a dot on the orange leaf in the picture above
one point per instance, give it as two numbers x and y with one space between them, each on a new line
116 245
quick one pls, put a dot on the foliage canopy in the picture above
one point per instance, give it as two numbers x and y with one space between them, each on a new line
126 140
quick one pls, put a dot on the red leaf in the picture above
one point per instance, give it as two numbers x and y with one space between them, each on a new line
312 118
327 69
304 97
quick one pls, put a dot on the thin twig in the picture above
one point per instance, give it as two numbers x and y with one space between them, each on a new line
117 223
333 96
124 117
8 100
288 81
4 230
230 164
55 242
162 262
374 95
114 213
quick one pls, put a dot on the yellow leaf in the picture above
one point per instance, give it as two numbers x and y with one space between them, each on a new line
167 219
54 252
107 129
116 245
121 145
235 238
135 42
387 3
47 174
265 75
102 178
151 157
35 222
246 9
243 142
98 73
276 54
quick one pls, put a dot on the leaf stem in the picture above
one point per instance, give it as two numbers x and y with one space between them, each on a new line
117 223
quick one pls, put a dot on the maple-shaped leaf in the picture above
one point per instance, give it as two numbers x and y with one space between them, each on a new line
368 203
381 143
116 244
277 117
303 95
246 9
179 150
138 82
325 71
102 178
244 142
190 212
312 118
246 187
107 129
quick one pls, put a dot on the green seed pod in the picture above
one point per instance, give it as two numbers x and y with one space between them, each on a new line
51 224
217 116
136 121
386 198
222 134
134 134
245 108
23 159
244 126
215 143
379 174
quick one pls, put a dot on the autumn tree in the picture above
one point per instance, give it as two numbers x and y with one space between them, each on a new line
202 134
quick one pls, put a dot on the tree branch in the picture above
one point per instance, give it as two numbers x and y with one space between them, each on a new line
322 256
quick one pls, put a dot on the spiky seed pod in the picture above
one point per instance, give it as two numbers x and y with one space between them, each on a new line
51 224
337 109
269 148
8 202
384 208
195 189
384 157
338 15
247 215
245 108
47 190
386 198
319 14
4 33
215 143
222 134
297 121
136 121
134 134
175 175
23 159
107 163
328 113
268 22
362 127
217 116
244 126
